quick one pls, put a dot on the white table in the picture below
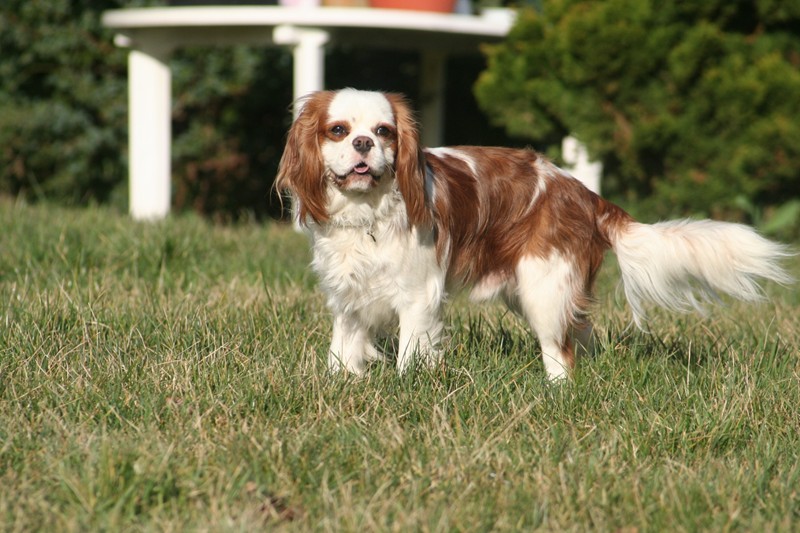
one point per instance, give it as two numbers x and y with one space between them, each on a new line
153 33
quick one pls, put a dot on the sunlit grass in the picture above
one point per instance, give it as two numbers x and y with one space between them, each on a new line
171 377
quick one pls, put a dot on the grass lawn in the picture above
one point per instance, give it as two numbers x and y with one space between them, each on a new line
171 377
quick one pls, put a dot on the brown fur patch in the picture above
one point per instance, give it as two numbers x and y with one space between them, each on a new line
515 205
301 169
409 162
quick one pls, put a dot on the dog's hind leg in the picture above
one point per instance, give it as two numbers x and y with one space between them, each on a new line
550 295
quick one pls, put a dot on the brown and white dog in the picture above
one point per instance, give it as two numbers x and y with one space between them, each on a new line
394 226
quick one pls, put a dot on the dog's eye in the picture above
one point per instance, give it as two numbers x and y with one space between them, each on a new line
383 131
338 131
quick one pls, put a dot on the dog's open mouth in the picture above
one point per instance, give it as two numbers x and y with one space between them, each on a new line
361 174
361 168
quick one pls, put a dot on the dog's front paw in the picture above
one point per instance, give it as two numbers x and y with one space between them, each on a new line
352 364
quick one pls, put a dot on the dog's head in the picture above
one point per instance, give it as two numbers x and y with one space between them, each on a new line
352 141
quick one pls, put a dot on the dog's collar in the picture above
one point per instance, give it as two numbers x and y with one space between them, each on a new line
368 229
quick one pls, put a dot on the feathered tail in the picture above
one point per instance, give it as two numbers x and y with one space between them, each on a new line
681 264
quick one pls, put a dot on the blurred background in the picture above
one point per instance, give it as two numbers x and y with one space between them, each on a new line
693 107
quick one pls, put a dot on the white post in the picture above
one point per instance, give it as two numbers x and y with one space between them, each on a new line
308 51
150 132
432 97
576 157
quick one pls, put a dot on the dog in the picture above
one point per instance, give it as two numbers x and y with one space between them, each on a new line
395 227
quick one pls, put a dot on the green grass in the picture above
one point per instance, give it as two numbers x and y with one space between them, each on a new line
171 377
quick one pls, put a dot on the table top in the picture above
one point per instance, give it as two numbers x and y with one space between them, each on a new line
247 24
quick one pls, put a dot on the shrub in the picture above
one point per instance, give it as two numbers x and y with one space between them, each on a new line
62 100
691 106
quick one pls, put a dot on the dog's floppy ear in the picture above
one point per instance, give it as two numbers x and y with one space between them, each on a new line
301 170
409 162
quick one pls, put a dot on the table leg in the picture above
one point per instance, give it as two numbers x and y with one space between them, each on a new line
150 133
576 156
308 52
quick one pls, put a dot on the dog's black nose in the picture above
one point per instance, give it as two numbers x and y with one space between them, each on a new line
362 144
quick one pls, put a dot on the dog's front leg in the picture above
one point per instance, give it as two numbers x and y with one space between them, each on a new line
420 337
351 345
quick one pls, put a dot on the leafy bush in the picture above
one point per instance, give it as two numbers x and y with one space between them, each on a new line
62 100
691 106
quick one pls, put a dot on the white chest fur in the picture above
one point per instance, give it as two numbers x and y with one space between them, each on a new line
375 269
374 275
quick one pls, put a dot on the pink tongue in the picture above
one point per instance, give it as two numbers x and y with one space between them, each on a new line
361 168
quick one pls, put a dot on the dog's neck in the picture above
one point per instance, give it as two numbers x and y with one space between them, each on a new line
366 212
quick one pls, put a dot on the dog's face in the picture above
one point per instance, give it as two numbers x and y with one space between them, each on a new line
360 140
351 141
